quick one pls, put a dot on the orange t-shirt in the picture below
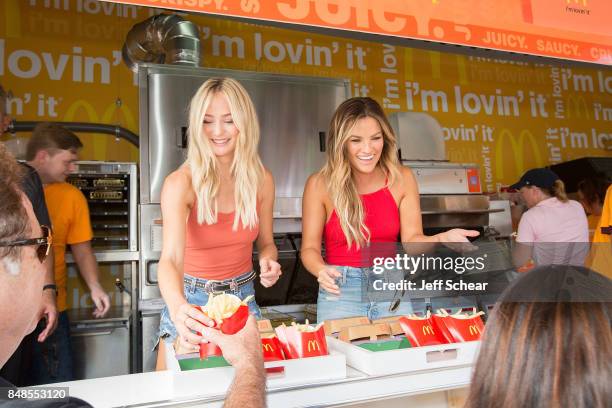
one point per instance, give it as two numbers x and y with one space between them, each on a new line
216 252
593 223
600 258
71 225
606 218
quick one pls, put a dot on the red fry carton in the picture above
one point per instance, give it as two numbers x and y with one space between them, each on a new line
303 340
271 347
440 327
421 331
209 350
460 327
229 314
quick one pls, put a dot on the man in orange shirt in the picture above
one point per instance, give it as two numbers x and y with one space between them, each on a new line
52 152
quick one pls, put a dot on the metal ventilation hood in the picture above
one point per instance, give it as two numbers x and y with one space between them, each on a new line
419 136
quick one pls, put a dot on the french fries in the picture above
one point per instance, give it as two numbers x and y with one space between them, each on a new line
306 327
460 314
220 307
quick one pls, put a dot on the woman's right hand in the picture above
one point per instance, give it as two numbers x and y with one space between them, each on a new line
327 279
187 318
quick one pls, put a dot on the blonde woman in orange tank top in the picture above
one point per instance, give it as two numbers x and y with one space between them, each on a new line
214 207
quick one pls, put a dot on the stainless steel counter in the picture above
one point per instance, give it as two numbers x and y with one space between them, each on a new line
85 315
109 256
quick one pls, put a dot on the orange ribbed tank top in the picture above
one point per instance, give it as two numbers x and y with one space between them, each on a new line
216 252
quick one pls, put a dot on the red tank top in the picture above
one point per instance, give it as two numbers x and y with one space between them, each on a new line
216 252
382 219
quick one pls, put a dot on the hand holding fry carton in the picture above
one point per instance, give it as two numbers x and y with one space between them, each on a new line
229 314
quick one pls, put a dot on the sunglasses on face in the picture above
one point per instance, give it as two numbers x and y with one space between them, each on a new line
43 244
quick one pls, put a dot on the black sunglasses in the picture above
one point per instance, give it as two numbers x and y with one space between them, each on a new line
43 243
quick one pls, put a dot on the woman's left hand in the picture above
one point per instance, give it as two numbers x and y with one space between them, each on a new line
269 272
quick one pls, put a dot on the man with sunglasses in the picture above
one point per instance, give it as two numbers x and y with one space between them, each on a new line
52 151
24 245
16 370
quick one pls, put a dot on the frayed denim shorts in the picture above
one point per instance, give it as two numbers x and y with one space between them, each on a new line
356 300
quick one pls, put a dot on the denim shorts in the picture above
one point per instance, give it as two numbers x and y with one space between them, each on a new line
356 300
197 296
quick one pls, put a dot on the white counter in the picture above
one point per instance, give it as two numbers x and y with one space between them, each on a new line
428 388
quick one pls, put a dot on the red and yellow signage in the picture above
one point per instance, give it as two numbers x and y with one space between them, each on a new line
62 61
570 29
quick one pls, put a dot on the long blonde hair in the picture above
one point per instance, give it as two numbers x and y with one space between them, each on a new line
246 169
338 172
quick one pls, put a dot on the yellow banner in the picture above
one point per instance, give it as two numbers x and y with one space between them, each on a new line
62 60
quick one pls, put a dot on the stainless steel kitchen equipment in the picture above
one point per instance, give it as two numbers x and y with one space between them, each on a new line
149 324
450 193
111 190
451 196
101 347
294 114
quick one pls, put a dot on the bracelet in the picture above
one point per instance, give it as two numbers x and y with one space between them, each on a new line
50 286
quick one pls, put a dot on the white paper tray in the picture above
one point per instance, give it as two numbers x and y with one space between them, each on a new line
215 381
406 360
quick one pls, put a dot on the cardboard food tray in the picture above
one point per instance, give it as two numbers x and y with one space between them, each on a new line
406 359
216 381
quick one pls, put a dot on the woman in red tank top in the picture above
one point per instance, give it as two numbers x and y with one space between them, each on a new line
214 207
360 202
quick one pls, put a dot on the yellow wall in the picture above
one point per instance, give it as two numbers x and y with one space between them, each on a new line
62 60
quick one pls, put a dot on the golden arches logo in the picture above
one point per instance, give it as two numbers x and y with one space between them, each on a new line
517 152
74 108
313 345
267 347
428 330
574 104
474 330
107 116
100 145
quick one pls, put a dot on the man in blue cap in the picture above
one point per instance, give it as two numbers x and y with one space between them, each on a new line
551 222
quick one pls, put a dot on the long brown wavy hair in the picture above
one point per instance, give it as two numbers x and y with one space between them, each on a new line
548 343
338 173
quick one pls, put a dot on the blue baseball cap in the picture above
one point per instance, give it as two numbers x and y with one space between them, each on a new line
541 177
